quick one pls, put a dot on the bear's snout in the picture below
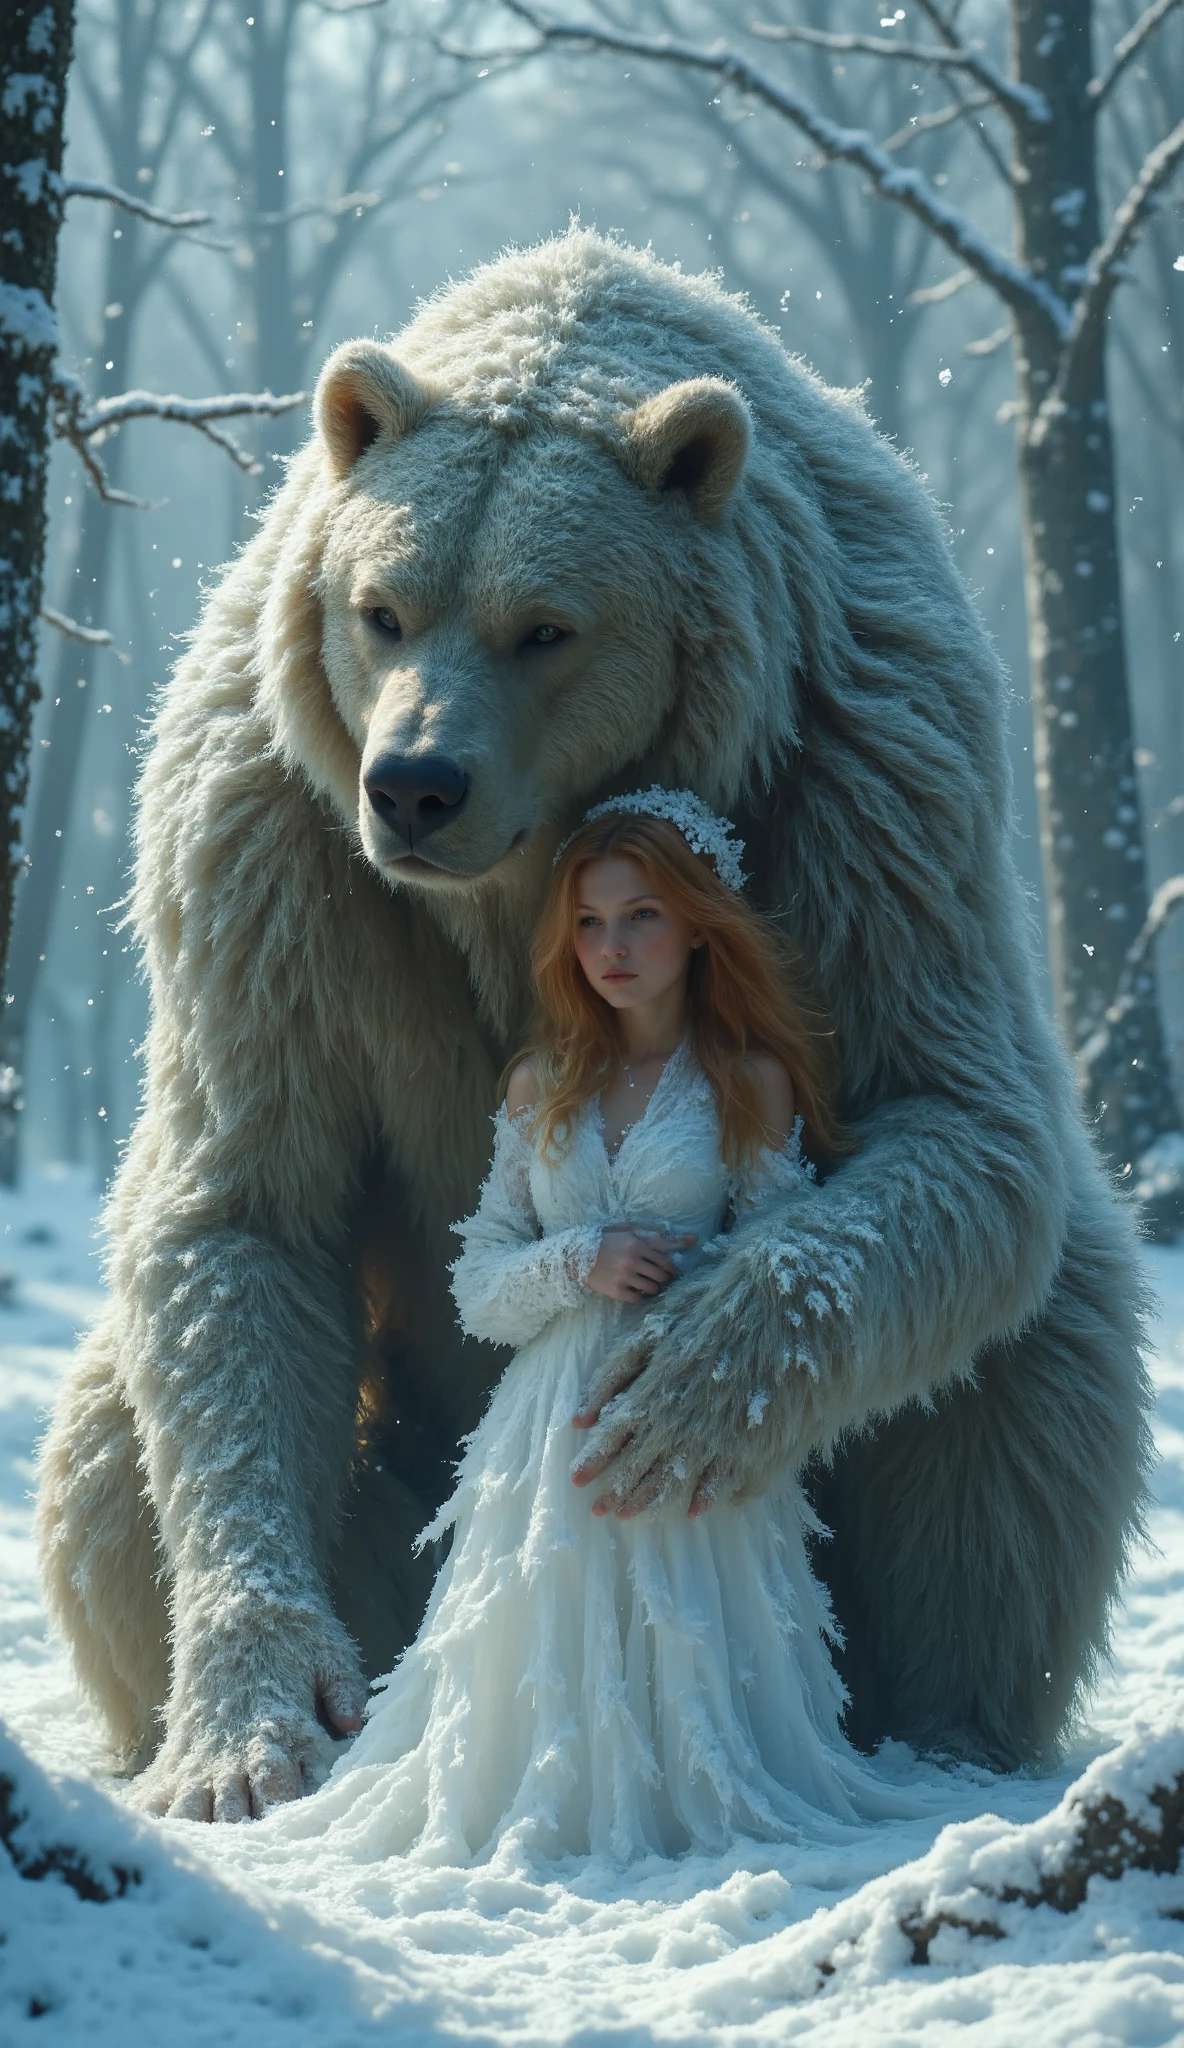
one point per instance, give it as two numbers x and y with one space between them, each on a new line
414 795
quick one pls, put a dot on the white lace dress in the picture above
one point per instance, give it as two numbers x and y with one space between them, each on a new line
590 1685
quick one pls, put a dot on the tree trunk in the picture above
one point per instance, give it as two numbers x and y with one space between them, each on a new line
35 45
280 346
45 846
1087 789
74 706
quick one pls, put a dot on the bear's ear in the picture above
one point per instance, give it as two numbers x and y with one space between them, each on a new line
362 392
691 438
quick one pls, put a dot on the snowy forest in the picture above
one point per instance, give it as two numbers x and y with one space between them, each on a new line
345 161
968 210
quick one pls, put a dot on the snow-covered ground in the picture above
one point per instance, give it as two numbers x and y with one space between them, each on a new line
213 1939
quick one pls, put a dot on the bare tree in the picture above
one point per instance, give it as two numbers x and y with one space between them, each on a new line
291 244
33 191
1039 114
1147 349
35 45
149 77
878 260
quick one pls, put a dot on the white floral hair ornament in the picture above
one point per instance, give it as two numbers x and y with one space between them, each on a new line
703 831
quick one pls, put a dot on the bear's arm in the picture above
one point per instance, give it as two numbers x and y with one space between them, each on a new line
241 1361
840 1302
231 1228
509 1281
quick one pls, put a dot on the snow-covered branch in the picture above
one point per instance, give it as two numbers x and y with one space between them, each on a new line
937 18
945 24
68 401
193 412
989 342
89 636
1168 898
1015 285
941 117
935 294
1021 103
80 423
349 202
1132 42
1103 275
94 188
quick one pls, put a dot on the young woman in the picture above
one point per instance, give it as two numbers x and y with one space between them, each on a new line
591 1678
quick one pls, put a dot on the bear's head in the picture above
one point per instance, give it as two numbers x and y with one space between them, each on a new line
500 610
585 523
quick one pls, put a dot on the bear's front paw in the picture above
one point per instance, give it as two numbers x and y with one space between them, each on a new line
688 1411
231 1753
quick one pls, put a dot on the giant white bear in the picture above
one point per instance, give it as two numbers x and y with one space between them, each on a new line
582 525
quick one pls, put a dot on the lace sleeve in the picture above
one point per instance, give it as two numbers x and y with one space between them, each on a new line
509 1280
770 1175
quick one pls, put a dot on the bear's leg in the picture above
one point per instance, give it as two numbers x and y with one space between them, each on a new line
424 1389
404 1471
978 1547
98 1547
380 1584
240 1357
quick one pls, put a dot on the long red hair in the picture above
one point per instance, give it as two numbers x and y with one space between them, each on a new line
745 993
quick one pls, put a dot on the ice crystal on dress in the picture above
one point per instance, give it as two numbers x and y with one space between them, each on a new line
512 1278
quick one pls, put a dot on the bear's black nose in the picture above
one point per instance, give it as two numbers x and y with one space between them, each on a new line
415 794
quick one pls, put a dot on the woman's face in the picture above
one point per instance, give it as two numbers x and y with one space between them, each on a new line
632 946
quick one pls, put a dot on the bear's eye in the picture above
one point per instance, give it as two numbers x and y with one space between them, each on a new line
544 636
381 616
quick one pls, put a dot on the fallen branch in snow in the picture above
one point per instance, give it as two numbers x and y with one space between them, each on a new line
93 188
89 636
921 1933
80 423
36 1860
972 1881
1109 1843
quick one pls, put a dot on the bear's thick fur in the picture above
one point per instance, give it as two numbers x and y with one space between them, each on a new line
755 597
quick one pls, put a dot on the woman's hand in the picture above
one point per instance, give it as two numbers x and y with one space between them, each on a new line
634 1263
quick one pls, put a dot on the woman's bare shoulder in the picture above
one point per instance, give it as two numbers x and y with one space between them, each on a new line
522 1089
776 1089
